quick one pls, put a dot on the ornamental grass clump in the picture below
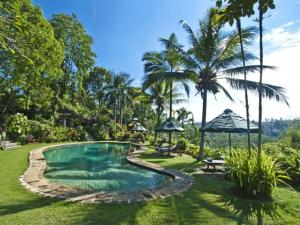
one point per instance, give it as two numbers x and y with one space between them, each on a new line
250 177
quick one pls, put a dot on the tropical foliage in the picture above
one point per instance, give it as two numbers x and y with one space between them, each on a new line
165 67
253 178
48 73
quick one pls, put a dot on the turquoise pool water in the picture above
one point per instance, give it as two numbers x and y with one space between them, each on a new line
100 166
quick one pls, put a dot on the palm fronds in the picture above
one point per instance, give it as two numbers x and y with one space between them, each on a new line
268 91
249 69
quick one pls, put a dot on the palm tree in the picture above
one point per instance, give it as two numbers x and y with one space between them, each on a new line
118 94
237 9
165 66
261 61
157 95
210 52
184 116
230 15
213 54
239 29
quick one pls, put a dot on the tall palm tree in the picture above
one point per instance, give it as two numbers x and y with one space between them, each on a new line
239 30
157 94
214 54
237 9
231 15
118 95
261 61
165 66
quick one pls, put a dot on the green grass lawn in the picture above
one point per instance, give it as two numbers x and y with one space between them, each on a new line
209 201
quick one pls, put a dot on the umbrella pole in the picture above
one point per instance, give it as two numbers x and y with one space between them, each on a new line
229 137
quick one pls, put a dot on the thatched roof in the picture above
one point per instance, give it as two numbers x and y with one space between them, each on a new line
230 122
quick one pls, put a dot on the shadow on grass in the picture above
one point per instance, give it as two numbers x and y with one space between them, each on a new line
211 170
26 205
78 213
156 155
247 209
199 205
109 214
209 201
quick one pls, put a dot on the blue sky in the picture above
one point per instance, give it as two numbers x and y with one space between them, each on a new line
124 29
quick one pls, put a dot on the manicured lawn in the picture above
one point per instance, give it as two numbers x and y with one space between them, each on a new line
209 201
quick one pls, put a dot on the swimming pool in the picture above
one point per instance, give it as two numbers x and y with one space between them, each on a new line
98 167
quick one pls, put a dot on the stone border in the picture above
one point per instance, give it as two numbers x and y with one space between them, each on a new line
33 179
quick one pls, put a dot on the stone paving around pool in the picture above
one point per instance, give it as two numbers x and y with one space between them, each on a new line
33 179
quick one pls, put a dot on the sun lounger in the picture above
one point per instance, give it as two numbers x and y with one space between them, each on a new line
214 163
163 150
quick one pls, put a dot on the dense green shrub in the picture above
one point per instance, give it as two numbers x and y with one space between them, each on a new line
150 139
38 130
295 138
98 132
119 135
138 137
116 131
127 135
288 157
251 178
18 127
94 131
215 153
61 134
192 150
182 144
80 133
103 135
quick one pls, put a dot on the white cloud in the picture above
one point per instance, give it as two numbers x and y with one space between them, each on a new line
283 37
288 24
282 47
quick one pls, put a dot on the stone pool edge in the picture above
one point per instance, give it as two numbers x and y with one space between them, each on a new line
33 179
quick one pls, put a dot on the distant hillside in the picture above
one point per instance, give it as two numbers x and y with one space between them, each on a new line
274 128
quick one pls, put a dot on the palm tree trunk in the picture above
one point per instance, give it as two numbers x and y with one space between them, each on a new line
170 116
239 28
157 124
260 82
115 112
123 112
202 141
121 115
99 109
120 109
